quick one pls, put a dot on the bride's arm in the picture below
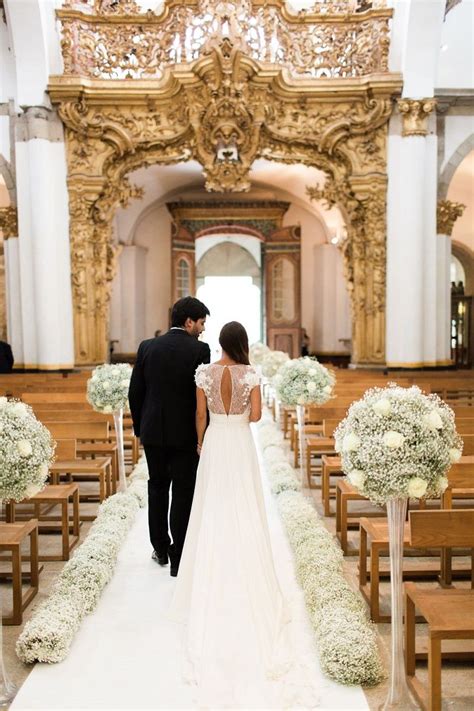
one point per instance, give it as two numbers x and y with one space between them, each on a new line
255 404
201 417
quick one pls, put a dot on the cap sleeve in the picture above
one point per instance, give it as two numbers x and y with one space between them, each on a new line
200 376
252 378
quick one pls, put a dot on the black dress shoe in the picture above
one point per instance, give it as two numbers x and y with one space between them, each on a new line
173 572
160 559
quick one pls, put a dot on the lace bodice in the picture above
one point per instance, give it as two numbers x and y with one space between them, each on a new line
244 379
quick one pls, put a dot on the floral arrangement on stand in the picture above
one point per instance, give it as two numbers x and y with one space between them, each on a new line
272 362
345 638
304 381
398 443
48 635
107 388
26 451
300 382
257 353
107 392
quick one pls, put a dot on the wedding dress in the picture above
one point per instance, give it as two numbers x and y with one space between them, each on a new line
227 595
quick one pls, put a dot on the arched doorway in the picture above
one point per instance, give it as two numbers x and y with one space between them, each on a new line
229 281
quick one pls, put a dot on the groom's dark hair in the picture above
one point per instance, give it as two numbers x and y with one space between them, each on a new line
235 342
189 307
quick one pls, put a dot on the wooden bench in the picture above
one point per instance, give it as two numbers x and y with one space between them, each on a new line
55 495
449 615
440 529
12 536
345 493
330 466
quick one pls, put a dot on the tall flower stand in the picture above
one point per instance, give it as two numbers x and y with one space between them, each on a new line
301 417
399 695
118 422
7 688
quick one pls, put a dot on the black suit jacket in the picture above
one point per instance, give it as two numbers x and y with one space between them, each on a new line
162 391
6 357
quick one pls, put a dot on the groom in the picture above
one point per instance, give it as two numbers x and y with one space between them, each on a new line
163 404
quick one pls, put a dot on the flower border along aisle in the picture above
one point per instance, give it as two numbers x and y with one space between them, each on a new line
48 635
346 639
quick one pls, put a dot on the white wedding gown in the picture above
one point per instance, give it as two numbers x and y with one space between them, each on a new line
237 648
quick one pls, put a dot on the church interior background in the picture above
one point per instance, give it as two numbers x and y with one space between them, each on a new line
297 165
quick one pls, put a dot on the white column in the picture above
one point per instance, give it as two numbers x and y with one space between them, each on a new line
12 285
44 257
443 332
405 217
430 271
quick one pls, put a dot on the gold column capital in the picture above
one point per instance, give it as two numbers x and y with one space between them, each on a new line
9 221
447 213
414 114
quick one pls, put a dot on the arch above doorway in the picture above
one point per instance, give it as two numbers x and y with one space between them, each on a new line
337 125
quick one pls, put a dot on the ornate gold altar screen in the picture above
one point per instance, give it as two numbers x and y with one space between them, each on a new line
225 83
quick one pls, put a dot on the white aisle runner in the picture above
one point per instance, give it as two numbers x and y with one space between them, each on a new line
128 656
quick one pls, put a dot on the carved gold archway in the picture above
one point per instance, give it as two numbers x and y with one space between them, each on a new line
225 110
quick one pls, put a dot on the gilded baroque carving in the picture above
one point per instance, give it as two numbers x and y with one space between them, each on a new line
225 110
446 215
415 114
328 42
9 222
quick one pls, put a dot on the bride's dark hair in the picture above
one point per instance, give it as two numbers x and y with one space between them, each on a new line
235 342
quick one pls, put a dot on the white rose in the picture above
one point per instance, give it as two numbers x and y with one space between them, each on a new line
19 410
417 487
311 387
350 442
393 439
43 470
442 484
32 490
106 385
327 389
301 400
454 455
107 409
24 447
382 406
433 421
357 478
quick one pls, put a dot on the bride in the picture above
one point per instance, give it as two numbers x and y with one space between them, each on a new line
227 593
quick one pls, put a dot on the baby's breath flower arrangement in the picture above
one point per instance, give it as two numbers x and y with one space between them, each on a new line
257 353
26 451
304 381
272 363
107 388
398 443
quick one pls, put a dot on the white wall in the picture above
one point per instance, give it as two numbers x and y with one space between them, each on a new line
332 320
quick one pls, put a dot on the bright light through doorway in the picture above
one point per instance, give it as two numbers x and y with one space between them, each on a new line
230 299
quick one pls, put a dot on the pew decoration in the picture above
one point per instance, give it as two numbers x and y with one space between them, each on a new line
272 362
107 392
257 353
48 635
300 382
398 443
345 638
26 452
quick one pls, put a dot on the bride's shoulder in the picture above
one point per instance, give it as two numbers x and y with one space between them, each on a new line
252 378
202 374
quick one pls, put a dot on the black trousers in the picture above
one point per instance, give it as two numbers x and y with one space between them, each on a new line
175 468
